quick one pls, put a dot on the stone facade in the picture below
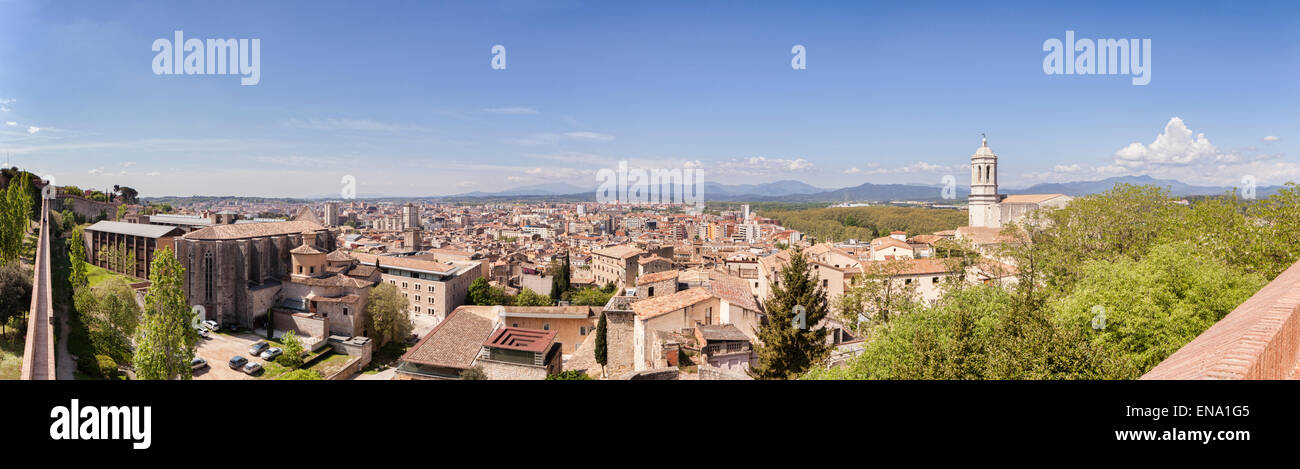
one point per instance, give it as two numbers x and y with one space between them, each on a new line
236 280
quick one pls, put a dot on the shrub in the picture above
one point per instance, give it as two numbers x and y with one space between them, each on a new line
107 366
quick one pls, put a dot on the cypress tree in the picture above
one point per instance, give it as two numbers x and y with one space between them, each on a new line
602 348
785 351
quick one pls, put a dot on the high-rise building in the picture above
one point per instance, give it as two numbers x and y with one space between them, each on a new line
410 216
331 214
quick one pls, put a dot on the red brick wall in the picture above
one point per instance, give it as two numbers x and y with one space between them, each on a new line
1258 340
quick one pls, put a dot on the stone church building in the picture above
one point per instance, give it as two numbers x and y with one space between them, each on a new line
236 271
988 208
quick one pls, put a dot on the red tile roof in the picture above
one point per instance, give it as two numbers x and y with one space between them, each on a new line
518 338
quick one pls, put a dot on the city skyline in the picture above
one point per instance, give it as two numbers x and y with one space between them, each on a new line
406 99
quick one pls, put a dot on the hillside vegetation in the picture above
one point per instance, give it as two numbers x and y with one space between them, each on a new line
866 223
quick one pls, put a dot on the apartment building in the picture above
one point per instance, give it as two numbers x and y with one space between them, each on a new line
430 286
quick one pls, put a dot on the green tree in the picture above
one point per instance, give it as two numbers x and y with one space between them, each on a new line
300 375
480 292
602 347
590 296
111 315
15 293
15 210
878 295
528 297
166 341
784 350
568 375
387 318
1147 309
473 373
293 350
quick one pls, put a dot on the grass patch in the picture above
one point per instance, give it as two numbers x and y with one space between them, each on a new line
11 353
328 363
97 275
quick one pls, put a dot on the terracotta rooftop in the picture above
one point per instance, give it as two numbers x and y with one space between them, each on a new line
622 251
1030 198
657 277
722 332
405 263
455 342
518 338
305 249
661 305
254 230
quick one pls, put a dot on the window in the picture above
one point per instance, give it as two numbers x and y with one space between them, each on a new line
935 281
430 300
907 281
207 276
417 309
404 285
417 298
546 327
417 287
514 324
582 330
825 283
300 269
345 310
313 269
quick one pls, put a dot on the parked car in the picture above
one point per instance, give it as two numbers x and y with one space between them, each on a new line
198 363
210 325
252 368
237 362
258 347
271 353
204 333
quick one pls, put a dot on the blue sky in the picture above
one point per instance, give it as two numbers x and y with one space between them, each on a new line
402 96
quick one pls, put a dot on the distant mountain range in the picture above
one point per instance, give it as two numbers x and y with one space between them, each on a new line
1176 188
797 191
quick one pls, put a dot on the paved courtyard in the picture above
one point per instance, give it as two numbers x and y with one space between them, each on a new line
218 350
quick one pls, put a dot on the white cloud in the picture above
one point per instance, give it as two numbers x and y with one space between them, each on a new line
128 164
917 167
11 123
1174 147
852 171
96 171
553 138
762 166
4 104
1271 138
1060 168
32 130
332 124
589 136
153 173
515 111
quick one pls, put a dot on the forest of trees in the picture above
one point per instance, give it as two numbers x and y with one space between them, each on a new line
1109 286
866 223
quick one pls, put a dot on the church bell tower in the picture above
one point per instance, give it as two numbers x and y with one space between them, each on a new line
983 201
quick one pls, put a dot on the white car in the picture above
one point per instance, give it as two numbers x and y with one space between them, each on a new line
210 325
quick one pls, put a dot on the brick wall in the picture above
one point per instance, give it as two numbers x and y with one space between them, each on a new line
1258 340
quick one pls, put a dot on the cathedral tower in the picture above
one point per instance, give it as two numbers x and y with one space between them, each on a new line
984 197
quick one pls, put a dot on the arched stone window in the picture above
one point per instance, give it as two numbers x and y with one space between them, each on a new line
207 276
